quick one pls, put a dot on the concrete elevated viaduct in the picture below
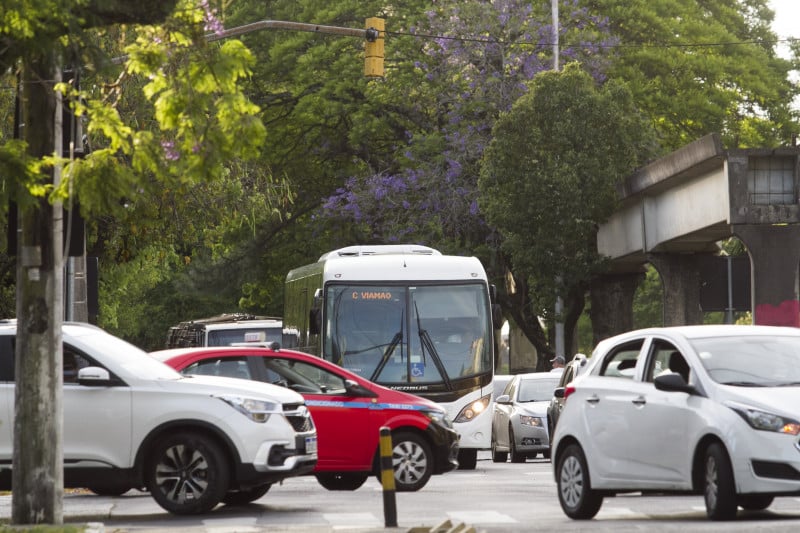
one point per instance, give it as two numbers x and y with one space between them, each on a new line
673 214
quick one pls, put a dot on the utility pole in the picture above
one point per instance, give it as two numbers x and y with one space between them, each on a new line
37 473
555 34
559 322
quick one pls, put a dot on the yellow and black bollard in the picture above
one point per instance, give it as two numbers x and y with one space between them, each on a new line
387 479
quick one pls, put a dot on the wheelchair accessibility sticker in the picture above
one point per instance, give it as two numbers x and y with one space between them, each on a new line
417 370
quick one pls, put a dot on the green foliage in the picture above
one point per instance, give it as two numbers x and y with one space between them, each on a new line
549 175
648 301
701 67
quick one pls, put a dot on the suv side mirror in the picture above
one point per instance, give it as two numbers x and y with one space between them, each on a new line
94 376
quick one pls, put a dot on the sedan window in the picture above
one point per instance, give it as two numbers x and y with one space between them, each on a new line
303 377
232 367
621 362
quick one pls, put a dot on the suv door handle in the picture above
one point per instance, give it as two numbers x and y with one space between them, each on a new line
593 399
639 400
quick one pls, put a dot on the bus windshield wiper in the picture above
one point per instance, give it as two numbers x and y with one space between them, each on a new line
426 342
398 337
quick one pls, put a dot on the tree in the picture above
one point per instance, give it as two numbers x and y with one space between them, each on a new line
202 119
548 177
697 67
468 64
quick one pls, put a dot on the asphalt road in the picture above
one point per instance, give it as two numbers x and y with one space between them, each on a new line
494 498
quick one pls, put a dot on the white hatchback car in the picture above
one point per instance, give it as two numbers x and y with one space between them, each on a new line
133 422
692 409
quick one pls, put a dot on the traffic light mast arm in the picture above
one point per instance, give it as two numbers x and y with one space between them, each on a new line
295 26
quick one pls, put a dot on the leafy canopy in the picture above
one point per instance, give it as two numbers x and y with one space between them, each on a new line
548 177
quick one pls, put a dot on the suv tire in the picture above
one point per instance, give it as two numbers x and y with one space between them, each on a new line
187 473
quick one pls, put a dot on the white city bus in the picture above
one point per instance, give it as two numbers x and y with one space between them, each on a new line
406 317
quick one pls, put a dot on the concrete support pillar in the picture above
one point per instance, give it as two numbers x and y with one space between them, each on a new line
680 276
774 258
612 304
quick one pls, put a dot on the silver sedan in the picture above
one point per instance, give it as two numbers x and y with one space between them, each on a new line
519 419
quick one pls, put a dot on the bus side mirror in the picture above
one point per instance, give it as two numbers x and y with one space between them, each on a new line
315 321
497 316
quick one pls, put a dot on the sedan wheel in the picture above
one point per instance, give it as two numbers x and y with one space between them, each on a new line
187 474
719 489
341 480
412 461
498 457
516 457
575 494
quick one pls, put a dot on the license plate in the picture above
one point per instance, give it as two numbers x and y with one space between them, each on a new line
311 444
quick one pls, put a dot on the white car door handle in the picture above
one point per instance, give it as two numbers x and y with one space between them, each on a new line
593 399
639 400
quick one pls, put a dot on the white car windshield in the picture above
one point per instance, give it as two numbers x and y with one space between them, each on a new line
755 361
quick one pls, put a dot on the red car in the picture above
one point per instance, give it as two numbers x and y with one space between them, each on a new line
348 412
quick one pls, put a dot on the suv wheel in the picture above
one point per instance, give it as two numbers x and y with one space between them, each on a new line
412 461
187 474
575 493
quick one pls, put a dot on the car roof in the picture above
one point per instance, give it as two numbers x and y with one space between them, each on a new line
539 375
228 351
698 332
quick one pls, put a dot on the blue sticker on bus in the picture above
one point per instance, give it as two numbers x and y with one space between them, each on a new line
417 370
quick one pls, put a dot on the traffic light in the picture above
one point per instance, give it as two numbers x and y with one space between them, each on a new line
373 48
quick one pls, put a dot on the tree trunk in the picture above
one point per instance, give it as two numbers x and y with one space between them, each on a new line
38 470
37 475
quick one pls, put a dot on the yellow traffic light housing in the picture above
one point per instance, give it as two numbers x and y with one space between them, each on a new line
373 48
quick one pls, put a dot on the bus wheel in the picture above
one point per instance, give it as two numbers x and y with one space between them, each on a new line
467 459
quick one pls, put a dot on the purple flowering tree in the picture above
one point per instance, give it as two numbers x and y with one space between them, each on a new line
474 61
466 65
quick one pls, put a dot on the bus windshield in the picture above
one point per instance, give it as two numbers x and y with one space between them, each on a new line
398 334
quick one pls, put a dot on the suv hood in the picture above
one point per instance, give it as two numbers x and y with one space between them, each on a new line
223 385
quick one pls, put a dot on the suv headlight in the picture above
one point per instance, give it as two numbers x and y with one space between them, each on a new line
255 410
765 421
473 409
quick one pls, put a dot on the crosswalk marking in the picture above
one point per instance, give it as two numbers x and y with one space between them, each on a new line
352 519
480 517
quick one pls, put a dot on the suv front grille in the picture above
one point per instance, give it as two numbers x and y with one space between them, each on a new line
298 416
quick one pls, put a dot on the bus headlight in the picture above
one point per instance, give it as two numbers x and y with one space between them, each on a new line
472 410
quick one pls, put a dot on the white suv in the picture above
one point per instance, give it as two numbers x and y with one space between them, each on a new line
133 422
